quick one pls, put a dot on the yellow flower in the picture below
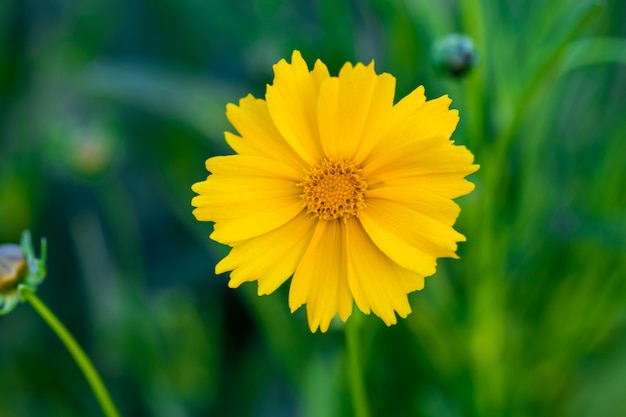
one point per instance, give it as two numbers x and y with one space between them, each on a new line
338 188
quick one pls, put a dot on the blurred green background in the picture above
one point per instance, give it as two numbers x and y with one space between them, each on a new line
109 108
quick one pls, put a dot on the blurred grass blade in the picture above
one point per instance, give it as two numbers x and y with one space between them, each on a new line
200 102
593 51
432 14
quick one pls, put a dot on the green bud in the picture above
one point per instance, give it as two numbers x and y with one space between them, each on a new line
454 55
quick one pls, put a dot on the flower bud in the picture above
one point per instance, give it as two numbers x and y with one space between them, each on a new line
19 269
13 268
454 55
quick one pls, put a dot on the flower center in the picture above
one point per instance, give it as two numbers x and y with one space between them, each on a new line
334 189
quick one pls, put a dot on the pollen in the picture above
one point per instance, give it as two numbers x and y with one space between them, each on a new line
334 189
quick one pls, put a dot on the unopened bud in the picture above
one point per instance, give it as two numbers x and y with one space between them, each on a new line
13 267
454 55
19 269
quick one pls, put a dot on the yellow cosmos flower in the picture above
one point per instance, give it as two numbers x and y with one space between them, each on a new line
338 188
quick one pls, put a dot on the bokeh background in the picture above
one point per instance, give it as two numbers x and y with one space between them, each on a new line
108 109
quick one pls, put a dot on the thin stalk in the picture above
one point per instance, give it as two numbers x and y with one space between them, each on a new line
83 362
473 18
355 370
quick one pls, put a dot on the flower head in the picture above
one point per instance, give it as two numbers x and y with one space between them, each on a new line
19 268
337 187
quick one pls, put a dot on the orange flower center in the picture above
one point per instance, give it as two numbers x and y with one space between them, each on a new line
334 189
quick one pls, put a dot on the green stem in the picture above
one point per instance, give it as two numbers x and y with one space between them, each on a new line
83 362
473 19
355 371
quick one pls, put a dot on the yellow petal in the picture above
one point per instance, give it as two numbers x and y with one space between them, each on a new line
321 279
431 118
292 103
414 119
245 207
270 258
446 185
392 244
246 166
405 108
417 197
377 283
434 155
259 136
319 73
402 114
395 228
377 123
344 107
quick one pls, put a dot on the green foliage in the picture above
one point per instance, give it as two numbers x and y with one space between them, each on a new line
108 110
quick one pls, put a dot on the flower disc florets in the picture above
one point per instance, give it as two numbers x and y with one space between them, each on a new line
334 189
